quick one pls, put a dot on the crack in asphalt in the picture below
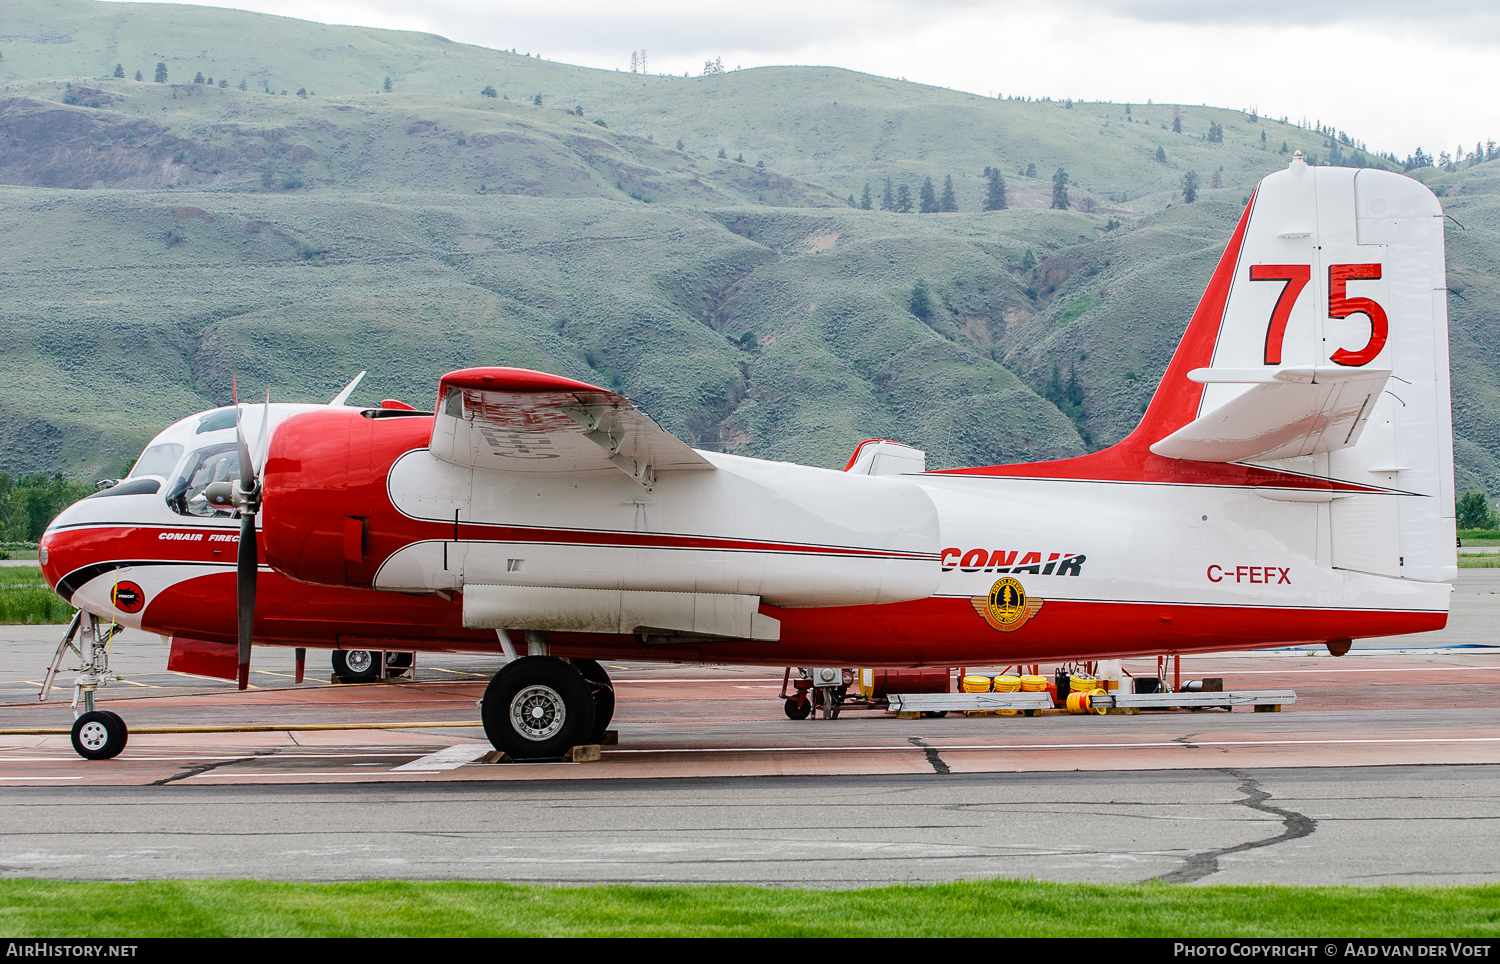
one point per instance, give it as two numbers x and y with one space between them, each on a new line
1294 826
938 766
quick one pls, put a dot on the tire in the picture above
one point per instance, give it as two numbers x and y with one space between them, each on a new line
537 707
356 665
604 695
99 735
798 709
934 714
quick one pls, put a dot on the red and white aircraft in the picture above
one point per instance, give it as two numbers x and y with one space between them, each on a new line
1290 482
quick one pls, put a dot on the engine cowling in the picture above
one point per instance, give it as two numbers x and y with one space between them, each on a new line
325 516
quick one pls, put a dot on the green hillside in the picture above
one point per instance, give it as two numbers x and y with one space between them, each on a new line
162 237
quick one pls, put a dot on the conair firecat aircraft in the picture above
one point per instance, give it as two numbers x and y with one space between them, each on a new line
1290 482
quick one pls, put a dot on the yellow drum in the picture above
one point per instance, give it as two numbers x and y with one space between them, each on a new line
1078 703
1007 684
1081 683
1033 684
974 684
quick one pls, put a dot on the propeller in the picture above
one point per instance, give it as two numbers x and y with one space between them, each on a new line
247 558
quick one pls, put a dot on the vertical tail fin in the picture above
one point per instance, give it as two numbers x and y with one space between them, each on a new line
1330 359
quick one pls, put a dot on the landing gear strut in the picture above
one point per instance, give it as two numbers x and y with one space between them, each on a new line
540 706
97 734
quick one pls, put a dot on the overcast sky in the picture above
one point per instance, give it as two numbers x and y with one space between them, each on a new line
1396 75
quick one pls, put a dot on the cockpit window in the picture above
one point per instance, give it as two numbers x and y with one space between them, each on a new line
214 463
157 460
215 420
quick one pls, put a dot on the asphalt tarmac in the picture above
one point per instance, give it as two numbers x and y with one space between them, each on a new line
1385 770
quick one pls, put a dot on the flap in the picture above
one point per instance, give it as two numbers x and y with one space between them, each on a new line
517 420
1283 414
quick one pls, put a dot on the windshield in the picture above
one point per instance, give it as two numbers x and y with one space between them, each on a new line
157 460
213 463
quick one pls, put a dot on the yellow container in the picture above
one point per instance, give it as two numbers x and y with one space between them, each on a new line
1079 683
1078 703
1033 684
1008 684
1099 709
975 684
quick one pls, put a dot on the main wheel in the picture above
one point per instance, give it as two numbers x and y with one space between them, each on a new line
537 706
798 709
356 665
604 695
99 735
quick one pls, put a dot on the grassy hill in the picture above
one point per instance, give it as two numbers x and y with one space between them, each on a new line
161 237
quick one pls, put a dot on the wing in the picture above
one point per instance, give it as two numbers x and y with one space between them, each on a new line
516 420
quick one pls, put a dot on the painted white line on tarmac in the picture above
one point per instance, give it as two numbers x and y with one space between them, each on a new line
450 758
1067 746
41 778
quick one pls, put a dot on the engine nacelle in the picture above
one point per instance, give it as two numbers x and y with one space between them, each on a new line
325 515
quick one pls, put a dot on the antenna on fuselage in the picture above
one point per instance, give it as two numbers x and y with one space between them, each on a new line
343 396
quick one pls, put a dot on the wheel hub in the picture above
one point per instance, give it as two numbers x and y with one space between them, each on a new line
358 660
93 735
538 712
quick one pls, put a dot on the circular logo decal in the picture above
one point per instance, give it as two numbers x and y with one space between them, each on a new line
128 597
1007 601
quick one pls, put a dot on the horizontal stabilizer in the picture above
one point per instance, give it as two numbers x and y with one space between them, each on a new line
515 420
1284 413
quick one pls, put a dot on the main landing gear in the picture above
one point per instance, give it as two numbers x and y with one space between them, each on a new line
540 706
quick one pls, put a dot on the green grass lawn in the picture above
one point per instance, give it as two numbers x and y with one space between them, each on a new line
230 908
25 598
1479 537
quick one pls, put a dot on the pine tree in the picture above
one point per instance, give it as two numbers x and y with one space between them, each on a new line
903 200
1474 512
723 154
138 76
949 203
994 198
120 71
161 73
1189 187
1215 133
1060 190
887 200
489 91
1216 180
1031 170
537 100
1029 261
929 202
1161 154
864 199
387 85
1176 121
1262 140
921 304
198 79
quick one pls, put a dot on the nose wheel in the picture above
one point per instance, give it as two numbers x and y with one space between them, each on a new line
538 707
99 735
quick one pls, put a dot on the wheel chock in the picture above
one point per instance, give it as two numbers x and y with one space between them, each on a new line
582 754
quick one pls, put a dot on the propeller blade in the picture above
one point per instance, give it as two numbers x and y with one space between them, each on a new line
263 438
244 601
247 470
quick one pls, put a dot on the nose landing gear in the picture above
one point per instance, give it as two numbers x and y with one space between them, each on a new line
97 734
